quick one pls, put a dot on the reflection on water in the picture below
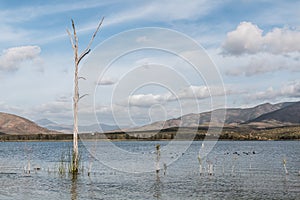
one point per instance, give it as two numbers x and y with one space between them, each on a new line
74 187
157 187
238 173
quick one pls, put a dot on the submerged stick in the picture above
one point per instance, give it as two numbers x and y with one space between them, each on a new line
284 166
28 155
157 158
91 157
233 165
200 165
210 168
165 169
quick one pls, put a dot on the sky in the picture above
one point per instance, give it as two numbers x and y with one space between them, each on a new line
253 47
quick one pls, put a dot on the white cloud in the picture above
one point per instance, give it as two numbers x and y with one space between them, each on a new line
5 107
142 39
263 63
282 41
64 98
146 108
56 111
107 81
248 38
191 92
289 90
146 100
12 58
163 10
54 107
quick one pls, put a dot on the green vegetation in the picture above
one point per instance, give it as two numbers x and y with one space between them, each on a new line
36 137
228 133
74 166
66 164
62 165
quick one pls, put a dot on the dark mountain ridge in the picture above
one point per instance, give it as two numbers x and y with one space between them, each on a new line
287 114
233 117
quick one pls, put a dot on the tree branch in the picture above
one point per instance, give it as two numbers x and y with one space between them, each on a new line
82 96
74 32
95 33
82 55
81 78
71 39
87 49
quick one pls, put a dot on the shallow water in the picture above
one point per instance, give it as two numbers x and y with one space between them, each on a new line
238 173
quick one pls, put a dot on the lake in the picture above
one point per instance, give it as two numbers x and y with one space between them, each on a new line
240 170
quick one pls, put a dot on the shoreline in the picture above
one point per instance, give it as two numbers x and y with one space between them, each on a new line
145 140
185 134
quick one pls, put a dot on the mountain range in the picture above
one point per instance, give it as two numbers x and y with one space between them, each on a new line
287 114
262 116
46 123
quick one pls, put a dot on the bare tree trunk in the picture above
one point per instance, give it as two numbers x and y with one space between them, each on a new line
75 114
76 97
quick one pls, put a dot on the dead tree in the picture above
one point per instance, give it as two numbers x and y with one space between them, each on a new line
76 97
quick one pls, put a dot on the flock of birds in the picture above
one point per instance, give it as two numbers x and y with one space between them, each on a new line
245 153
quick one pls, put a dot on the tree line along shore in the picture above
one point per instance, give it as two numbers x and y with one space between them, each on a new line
236 133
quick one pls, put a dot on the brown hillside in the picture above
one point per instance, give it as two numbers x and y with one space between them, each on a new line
13 124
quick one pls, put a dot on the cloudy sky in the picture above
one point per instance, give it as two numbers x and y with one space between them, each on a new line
255 46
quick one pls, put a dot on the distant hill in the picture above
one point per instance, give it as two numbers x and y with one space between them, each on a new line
262 116
13 124
241 115
287 114
234 117
97 128
46 123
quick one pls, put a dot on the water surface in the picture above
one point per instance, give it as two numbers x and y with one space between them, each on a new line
241 170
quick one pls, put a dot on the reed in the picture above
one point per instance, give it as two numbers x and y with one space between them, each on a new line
62 165
74 163
66 164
